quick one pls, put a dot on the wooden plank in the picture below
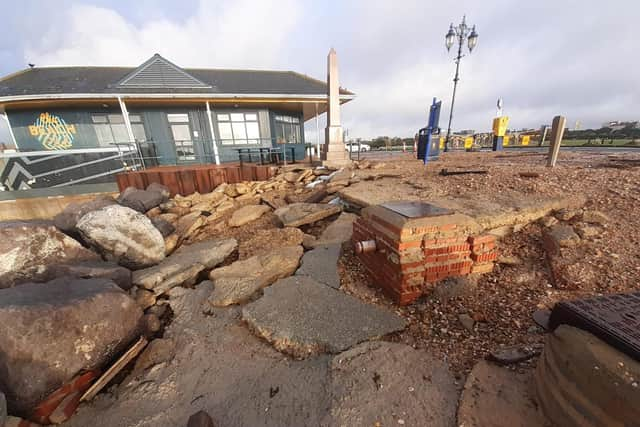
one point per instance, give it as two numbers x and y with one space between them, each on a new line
123 181
233 174
136 180
203 183
150 177
247 172
170 179
187 179
218 176
114 369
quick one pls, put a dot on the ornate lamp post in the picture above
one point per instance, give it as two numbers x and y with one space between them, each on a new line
460 32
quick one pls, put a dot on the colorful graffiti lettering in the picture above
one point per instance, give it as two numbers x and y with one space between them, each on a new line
52 132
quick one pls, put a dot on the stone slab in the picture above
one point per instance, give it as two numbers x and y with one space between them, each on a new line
297 214
495 210
321 264
236 283
338 231
299 316
184 265
498 397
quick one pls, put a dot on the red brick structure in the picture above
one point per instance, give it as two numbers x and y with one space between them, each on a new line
417 244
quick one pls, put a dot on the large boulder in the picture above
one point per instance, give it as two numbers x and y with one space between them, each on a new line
52 331
71 214
142 200
237 282
29 249
297 214
123 235
184 266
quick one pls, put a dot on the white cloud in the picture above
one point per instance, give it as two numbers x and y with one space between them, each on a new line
222 34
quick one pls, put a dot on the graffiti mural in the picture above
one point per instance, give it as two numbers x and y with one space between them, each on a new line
53 132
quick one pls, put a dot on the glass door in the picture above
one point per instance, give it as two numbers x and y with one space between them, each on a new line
181 133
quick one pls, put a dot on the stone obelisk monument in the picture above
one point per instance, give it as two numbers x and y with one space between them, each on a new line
334 153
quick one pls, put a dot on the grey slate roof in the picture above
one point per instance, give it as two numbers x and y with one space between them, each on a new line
99 80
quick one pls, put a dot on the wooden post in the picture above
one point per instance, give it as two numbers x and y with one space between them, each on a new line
557 130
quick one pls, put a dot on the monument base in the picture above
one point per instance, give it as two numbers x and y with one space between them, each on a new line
334 153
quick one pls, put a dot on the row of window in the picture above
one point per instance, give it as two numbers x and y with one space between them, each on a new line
233 129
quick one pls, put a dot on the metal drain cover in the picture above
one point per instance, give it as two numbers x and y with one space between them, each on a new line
416 209
614 319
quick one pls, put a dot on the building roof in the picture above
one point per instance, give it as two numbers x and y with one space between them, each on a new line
157 75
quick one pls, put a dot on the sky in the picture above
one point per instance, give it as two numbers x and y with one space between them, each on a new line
543 58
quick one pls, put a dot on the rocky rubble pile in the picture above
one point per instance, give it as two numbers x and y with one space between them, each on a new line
76 292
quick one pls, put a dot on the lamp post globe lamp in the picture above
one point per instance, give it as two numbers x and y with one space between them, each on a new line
460 33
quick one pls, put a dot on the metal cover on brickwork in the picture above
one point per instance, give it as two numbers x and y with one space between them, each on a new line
416 209
614 319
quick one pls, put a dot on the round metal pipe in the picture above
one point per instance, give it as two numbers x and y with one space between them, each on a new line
365 246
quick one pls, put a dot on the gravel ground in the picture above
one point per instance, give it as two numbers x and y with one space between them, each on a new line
504 300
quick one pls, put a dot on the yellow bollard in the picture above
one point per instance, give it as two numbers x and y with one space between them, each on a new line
468 143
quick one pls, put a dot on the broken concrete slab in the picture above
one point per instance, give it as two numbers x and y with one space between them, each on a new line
237 282
123 235
29 249
301 317
246 214
220 367
389 384
184 265
51 331
297 214
498 397
577 369
321 264
339 231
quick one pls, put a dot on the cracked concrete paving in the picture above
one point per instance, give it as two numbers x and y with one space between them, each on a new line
240 380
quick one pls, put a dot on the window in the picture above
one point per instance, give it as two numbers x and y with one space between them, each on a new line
287 129
178 118
238 128
110 128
